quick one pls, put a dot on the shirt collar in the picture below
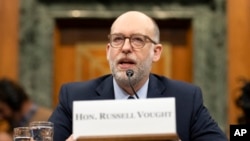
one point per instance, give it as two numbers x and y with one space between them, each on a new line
121 94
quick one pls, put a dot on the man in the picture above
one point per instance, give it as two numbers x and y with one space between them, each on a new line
16 108
134 45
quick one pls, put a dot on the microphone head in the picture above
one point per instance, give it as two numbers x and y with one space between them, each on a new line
129 73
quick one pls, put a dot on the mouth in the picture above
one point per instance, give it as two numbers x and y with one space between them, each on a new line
126 63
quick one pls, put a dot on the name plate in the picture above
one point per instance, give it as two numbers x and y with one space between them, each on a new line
124 117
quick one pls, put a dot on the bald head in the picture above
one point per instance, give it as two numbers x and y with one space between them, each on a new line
133 22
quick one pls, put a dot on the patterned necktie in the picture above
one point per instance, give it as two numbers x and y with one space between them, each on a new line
131 97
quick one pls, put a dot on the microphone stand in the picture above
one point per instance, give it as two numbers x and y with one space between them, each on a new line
129 74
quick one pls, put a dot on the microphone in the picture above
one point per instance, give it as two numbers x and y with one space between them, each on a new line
129 74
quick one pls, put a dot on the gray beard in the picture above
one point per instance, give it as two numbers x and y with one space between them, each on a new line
122 79
139 74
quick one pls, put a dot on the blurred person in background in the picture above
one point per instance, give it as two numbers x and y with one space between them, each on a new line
16 107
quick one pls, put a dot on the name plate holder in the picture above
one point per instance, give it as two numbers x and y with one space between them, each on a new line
125 120
153 137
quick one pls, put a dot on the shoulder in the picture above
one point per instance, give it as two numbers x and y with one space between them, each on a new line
89 83
175 88
86 89
170 83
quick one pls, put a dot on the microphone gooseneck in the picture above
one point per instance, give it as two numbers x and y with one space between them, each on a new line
129 74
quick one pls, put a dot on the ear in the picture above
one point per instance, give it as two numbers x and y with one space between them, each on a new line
157 52
107 51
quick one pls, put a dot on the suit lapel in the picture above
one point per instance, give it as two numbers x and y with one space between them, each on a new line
155 87
105 90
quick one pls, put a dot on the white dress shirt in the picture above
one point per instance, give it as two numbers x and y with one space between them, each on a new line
121 94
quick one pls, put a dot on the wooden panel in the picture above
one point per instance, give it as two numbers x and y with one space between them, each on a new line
179 36
182 60
9 11
91 60
8 43
238 51
63 64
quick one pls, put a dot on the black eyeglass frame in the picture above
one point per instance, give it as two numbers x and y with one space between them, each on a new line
147 38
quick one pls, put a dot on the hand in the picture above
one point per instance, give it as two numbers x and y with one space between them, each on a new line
5 136
70 138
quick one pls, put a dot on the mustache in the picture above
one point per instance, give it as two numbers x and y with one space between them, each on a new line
126 60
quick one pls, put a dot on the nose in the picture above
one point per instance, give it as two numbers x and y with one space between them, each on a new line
127 48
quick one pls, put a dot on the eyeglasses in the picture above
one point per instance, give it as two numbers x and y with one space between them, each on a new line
136 40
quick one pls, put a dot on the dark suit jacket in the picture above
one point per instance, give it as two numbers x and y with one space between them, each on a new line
194 122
